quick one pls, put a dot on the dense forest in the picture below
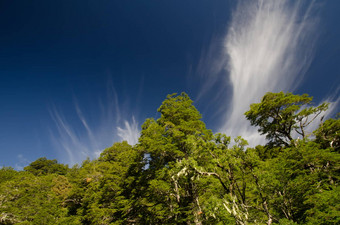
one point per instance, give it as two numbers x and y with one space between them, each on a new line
182 173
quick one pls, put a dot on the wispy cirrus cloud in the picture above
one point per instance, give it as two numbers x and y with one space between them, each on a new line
268 47
80 136
129 132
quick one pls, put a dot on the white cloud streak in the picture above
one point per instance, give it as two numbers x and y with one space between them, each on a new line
268 51
130 131
77 139
268 48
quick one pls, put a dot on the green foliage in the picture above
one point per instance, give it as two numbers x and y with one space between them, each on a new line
30 199
99 196
279 114
172 144
43 166
328 134
295 176
7 173
180 173
325 207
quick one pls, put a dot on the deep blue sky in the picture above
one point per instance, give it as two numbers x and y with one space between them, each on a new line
97 56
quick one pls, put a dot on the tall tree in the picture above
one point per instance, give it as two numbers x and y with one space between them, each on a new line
171 195
279 114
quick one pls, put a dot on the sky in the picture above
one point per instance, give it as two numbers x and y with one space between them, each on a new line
77 76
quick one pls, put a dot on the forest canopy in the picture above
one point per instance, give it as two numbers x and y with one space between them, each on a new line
180 172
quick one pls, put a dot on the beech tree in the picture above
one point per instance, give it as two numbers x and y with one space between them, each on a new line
279 114
171 192
180 173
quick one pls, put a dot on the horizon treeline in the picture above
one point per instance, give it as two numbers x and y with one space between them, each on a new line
179 172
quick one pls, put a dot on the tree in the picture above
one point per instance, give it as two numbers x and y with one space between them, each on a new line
179 173
29 199
278 115
228 173
43 166
99 196
328 133
169 192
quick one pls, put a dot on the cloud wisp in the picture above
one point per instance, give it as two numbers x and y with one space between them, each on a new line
78 138
130 132
268 48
